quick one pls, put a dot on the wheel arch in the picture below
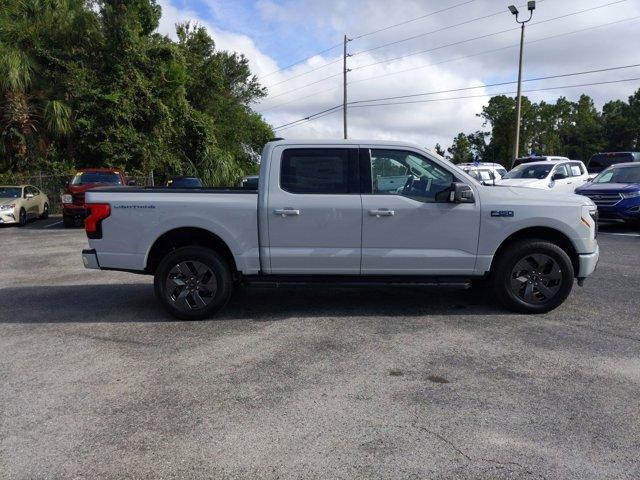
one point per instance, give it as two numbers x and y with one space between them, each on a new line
541 233
185 237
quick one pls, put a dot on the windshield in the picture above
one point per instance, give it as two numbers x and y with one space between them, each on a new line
600 161
538 172
83 178
184 182
10 192
619 175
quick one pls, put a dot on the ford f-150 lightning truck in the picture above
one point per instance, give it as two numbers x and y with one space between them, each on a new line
326 212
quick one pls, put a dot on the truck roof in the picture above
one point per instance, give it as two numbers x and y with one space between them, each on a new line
341 141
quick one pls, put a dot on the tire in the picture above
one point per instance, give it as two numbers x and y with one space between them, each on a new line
22 218
193 283
533 276
45 212
68 221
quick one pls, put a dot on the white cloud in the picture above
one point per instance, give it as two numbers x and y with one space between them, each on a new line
425 123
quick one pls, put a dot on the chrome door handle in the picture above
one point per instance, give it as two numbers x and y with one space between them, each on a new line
286 211
382 212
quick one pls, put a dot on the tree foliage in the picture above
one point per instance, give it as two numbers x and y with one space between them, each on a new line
89 83
573 129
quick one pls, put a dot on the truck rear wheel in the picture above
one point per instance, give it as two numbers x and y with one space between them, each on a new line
193 283
533 276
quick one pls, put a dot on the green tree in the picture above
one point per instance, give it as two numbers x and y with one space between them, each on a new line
460 151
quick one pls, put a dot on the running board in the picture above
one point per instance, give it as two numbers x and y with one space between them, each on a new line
355 280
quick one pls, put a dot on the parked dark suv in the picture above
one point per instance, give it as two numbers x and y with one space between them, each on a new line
600 161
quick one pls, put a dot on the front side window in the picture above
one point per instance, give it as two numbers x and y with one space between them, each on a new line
562 170
399 172
319 170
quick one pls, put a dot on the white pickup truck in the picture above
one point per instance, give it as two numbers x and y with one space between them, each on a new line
319 216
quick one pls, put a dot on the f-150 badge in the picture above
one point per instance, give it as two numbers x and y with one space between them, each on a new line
502 213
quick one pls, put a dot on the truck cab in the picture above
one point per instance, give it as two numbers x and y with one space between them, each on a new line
346 211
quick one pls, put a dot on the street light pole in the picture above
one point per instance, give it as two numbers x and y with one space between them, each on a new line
531 6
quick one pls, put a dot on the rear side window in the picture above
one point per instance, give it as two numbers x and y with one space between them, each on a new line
576 169
319 170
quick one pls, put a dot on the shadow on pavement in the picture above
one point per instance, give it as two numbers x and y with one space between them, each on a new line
137 303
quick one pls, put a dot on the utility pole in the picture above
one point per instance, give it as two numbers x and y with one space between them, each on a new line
345 70
531 6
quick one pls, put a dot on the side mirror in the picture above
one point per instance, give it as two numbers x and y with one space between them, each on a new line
29 195
461 193
132 183
559 176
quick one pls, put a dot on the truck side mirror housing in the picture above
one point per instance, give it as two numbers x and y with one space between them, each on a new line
461 193
559 176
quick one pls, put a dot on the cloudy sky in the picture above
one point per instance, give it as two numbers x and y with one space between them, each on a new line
410 47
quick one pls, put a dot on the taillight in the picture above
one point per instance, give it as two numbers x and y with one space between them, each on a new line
96 212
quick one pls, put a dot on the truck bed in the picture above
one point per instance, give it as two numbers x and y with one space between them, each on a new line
140 216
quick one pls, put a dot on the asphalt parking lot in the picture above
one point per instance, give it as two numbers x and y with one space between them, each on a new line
97 382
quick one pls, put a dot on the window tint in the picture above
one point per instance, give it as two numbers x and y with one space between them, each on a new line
398 172
319 170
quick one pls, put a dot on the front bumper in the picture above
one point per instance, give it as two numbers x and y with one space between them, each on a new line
8 216
90 259
628 209
75 211
588 263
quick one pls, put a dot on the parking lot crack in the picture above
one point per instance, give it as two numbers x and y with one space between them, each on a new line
469 458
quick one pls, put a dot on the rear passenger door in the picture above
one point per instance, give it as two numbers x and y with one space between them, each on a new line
314 210
579 174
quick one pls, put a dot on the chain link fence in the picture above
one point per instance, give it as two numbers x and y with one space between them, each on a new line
55 185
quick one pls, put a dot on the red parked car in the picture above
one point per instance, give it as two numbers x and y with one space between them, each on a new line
73 209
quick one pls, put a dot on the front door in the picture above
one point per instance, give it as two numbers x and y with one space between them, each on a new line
314 211
414 229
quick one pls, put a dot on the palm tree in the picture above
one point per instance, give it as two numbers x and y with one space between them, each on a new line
31 112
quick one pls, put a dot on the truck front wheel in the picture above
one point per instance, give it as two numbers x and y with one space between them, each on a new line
533 276
193 283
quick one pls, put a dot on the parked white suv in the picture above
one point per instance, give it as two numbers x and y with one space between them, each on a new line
559 176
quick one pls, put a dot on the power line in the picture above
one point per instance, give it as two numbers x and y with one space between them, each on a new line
308 117
336 109
493 50
558 87
357 37
332 47
500 84
485 36
441 29
485 52
359 102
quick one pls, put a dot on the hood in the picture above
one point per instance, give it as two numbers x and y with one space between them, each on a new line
608 188
4 200
522 182
533 196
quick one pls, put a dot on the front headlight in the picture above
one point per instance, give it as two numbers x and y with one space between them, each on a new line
631 195
66 198
9 206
